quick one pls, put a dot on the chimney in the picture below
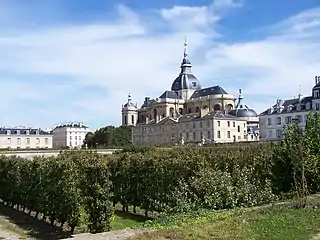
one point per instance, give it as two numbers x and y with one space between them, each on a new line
204 111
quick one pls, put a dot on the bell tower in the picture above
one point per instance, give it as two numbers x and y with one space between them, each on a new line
129 113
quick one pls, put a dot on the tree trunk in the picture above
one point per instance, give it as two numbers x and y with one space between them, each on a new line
72 229
37 215
134 209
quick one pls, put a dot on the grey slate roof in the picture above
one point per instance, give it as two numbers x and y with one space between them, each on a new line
23 131
170 94
76 125
185 81
294 102
208 91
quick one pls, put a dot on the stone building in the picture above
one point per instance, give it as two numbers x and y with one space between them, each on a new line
190 113
283 112
69 135
24 138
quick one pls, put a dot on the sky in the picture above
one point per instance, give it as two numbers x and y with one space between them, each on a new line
77 60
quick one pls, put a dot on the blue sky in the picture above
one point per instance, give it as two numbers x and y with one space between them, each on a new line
76 60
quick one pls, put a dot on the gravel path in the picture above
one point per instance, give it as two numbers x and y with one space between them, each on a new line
8 230
113 235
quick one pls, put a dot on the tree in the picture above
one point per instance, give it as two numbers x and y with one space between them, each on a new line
109 136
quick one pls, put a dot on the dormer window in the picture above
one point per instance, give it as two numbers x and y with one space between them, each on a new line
270 110
27 132
194 84
308 105
299 107
37 132
8 132
289 108
18 132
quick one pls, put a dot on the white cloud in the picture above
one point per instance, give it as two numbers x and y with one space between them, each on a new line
126 55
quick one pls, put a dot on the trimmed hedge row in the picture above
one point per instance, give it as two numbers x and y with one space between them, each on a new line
79 187
68 188
182 179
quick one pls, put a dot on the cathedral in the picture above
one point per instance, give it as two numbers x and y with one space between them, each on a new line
189 113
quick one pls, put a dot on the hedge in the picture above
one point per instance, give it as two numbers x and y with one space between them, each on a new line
82 187
63 189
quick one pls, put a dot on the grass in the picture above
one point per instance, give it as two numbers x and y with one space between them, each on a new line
280 222
124 220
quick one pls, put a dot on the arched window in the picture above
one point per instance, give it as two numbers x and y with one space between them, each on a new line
229 107
171 110
132 119
197 109
217 107
180 111
125 120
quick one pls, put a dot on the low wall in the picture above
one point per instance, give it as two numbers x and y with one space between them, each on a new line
47 153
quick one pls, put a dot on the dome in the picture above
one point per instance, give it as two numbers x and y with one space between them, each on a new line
185 81
244 112
129 105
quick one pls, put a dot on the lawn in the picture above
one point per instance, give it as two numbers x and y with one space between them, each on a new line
281 222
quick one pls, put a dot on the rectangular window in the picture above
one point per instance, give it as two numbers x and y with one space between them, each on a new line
228 124
279 120
219 134
194 136
209 135
279 133
270 133
238 128
9 140
208 124
46 141
37 140
218 123
200 124
70 137
234 124
288 120
269 121
194 125
229 136
28 141
187 136
201 135
299 118
18 141
76 138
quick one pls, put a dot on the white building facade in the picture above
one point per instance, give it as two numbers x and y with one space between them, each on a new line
70 135
25 138
273 120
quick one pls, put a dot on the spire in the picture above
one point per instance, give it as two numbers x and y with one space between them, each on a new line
240 98
129 97
185 55
300 93
186 64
